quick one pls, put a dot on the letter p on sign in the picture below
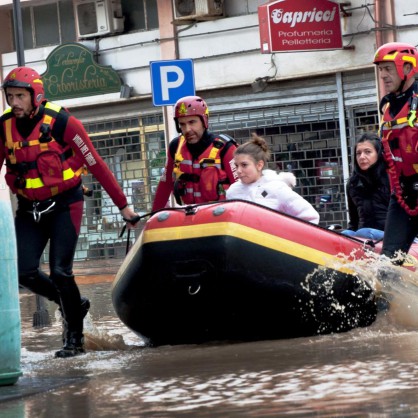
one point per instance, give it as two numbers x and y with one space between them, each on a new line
171 80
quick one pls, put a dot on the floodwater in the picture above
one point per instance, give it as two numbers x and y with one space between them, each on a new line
370 372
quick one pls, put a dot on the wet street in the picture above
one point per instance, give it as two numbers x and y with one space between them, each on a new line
363 373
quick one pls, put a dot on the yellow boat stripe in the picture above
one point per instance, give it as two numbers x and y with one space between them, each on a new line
242 232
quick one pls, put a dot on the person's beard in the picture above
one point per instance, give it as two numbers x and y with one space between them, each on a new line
21 113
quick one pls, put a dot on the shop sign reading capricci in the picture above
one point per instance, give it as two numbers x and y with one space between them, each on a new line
288 25
72 72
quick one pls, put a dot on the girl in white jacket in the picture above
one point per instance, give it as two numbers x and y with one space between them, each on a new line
266 187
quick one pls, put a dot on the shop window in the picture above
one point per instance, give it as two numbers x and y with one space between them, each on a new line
311 151
124 146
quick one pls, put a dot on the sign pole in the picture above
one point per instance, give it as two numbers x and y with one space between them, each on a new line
169 134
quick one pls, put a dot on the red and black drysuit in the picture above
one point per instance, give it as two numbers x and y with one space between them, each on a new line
45 156
197 173
399 133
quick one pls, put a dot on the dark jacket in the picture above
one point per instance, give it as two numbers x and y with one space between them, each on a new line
368 194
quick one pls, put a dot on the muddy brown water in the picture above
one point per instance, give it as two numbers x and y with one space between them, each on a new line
371 372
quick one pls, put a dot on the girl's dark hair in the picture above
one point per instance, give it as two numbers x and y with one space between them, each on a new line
256 147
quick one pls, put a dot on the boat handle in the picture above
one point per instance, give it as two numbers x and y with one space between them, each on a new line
194 292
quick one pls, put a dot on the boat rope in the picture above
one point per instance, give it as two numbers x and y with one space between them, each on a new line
132 221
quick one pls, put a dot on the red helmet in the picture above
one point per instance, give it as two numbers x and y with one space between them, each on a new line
29 79
400 54
191 106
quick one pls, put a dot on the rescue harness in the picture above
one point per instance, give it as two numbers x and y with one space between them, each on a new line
396 163
48 162
206 174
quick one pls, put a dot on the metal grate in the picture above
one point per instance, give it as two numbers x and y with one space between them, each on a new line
133 148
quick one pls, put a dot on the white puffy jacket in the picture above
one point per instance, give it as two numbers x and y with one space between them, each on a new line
275 191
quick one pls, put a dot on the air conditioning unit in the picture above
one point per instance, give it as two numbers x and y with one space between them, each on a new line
96 18
197 9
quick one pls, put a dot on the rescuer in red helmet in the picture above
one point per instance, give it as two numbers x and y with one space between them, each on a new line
199 165
46 150
397 66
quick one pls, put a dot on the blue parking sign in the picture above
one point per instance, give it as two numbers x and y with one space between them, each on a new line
171 80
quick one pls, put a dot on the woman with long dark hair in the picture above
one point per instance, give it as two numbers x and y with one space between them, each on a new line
368 190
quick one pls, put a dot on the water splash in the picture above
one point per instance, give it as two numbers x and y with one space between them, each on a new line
336 301
396 287
99 340
96 339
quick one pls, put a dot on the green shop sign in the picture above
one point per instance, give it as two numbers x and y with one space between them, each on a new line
72 72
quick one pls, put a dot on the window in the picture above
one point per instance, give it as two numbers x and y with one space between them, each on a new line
140 14
242 7
48 24
53 23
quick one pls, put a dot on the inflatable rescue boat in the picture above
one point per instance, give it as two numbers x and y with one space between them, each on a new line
238 271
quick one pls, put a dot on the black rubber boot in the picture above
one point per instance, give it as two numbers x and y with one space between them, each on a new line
72 314
85 306
74 346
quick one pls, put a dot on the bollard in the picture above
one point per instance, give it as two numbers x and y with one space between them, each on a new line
41 316
9 297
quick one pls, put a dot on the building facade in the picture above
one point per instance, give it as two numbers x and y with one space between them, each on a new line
309 105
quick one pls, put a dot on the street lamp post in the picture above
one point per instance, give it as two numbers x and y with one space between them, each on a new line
41 316
18 33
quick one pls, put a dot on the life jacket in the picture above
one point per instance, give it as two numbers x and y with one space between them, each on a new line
201 180
39 166
400 144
